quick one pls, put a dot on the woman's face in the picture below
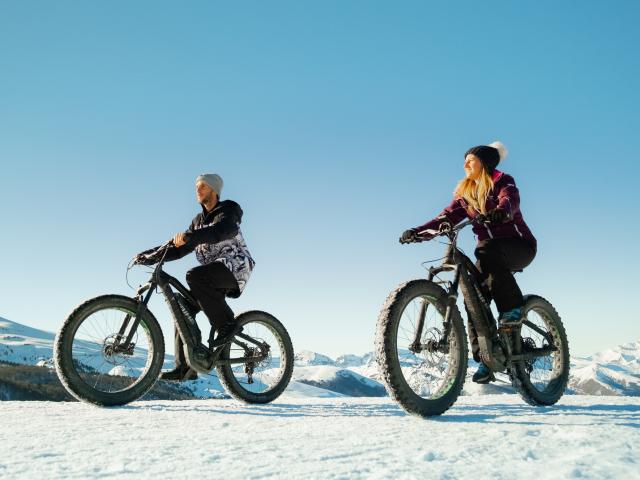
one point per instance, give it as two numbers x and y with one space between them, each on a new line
472 167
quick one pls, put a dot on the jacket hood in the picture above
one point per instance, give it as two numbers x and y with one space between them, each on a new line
229 206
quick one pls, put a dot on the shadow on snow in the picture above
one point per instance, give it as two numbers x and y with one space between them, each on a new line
621 415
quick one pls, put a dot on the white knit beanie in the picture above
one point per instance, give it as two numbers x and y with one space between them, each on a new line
213 180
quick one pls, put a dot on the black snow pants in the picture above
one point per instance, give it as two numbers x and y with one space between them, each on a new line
210 284
497 259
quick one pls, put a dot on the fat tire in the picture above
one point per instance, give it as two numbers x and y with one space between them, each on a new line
519 377
64 361
225 372
386 348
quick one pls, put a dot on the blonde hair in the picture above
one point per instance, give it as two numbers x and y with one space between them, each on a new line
475 192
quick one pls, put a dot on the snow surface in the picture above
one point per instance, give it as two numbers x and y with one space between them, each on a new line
491 436
313 432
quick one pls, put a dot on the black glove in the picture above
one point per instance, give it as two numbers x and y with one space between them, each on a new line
497 216
148 257
409 236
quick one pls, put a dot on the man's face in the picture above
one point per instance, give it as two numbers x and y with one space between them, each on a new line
204 193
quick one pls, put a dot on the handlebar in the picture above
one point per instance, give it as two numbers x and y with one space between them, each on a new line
135 260
480 218
159 250
165 245
446 229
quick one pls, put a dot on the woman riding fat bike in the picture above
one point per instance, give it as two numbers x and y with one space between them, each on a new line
505 243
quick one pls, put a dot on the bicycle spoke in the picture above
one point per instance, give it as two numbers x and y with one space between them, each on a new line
426 373
94 350
259 377
542 370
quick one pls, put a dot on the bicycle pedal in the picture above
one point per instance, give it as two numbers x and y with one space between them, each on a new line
216 352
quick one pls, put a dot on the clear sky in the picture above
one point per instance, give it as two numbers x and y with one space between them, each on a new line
336 125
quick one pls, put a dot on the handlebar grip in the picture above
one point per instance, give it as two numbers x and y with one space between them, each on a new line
481 218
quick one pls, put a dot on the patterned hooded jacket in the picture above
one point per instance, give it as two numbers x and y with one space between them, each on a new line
505 196
216 237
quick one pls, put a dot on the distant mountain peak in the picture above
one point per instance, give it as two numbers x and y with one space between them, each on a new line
307 358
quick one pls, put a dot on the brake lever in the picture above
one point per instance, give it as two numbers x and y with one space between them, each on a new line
444 228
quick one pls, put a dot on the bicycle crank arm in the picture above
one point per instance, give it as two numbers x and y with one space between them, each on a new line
491 353
202 361
538 352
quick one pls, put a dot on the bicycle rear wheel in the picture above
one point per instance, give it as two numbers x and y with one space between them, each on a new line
425 381
91 365
261 381
541 380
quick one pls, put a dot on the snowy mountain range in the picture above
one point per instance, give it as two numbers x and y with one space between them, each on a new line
611 372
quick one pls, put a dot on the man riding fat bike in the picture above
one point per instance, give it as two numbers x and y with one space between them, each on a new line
505 243
226 266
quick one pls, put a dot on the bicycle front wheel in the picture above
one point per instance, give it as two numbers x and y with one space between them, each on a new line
265 339
90 361
421 372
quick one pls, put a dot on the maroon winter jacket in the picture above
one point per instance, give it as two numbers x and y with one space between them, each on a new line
505 196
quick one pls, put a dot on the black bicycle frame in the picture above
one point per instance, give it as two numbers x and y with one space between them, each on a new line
467 278
161 279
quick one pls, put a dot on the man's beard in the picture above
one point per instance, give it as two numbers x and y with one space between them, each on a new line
207 200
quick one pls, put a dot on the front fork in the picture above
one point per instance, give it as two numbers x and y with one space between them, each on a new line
452 299
121 343
416 345
442 345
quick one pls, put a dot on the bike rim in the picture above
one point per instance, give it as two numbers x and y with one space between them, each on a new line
430 375
264 376
101 366
543 372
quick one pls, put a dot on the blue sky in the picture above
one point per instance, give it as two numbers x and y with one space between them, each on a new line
336 125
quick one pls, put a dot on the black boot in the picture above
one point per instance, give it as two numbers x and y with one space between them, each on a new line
179 374
483 375
225 334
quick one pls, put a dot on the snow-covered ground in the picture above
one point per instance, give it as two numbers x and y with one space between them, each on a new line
315 431
491 436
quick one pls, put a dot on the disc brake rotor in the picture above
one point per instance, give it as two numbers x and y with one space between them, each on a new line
433 358
112 352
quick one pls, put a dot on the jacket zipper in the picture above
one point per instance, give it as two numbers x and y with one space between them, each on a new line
489 231
517 230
